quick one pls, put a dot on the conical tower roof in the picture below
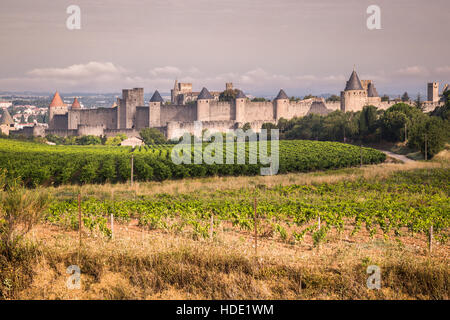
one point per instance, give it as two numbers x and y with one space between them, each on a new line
204 94
76 104
57 101
156 97
353 83
281 95
240 95
372 91
6 118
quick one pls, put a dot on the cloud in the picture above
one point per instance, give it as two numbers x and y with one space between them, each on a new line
445 70
165 71
412 71
78 71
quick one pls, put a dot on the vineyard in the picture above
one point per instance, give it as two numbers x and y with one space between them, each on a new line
39 164
406 203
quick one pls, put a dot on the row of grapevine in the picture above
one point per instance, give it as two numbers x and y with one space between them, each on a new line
39 164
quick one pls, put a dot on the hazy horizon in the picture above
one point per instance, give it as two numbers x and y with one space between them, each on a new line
261 46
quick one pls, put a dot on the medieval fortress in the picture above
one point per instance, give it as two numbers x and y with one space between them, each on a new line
129 115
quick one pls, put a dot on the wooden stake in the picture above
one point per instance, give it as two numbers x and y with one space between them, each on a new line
256 228
430 240
80 226
112 226
319 223
132 169
211 227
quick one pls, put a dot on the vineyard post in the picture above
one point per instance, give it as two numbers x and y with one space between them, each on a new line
112 226
256 228
211 228
430 239
79 216
132 167
112 214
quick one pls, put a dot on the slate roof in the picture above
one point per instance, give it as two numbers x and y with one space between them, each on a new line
204 94
372 91
156 97
240 95
6 118
318 107
281 95
353 83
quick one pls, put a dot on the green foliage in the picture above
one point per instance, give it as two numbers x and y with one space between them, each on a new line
115 141
408 201
152 136
20 210
333 98
437 134
405 97
41 164
228 95
259 99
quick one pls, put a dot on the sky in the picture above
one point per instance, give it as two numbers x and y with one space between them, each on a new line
302 46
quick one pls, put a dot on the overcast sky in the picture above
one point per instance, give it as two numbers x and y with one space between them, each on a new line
303 46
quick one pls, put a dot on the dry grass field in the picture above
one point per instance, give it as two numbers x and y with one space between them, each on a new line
155 264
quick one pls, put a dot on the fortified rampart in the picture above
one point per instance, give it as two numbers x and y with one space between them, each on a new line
130 115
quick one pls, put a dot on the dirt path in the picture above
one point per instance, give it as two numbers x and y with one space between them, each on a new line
400 157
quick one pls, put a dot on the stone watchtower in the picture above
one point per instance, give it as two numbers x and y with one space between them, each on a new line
240 107
433 91
131 98
203 102
354 96
56 107
155 110
281 105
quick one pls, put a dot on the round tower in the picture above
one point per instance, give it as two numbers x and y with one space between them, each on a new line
203 101
281 105
240 107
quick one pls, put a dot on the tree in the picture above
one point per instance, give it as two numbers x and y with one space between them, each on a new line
405 97
115 141
246 127
418 102
333 98
152 136
22 119
309 96
228 95
385 98
368 123
259 100
394 120
436 131
88 140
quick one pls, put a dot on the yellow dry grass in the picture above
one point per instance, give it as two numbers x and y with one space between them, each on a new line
231 183
154 265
